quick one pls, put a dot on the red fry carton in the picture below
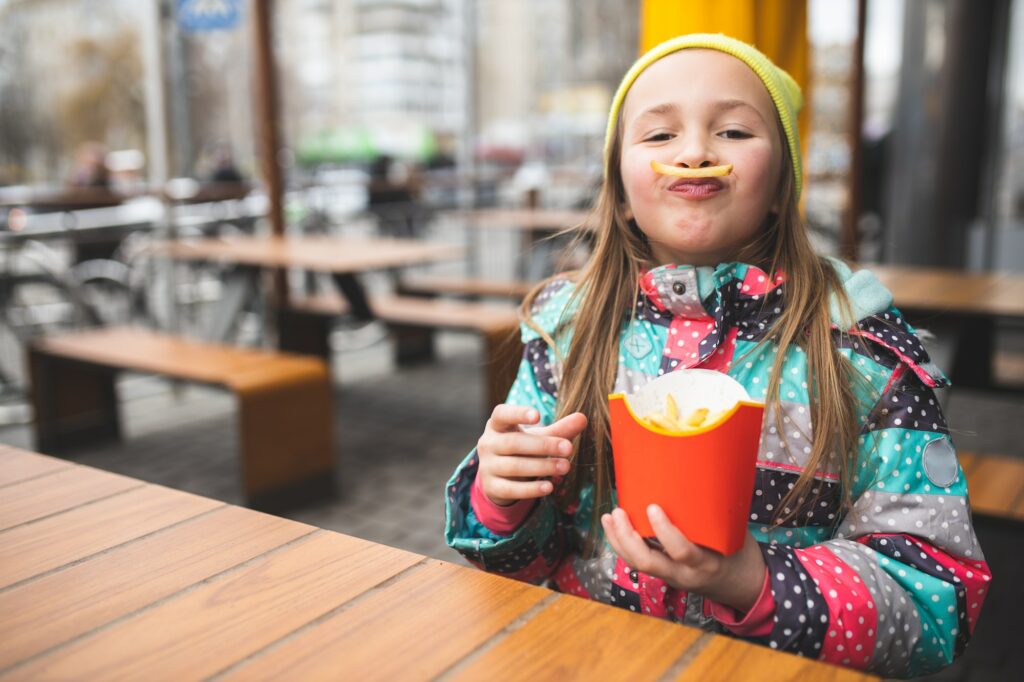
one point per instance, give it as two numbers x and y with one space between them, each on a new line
702 477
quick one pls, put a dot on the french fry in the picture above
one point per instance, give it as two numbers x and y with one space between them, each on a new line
697 417
663 421
671 409
679 172
669 419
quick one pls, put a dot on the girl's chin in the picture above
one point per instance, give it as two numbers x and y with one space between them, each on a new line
688 257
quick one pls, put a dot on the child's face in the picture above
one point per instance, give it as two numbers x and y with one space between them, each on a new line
699 108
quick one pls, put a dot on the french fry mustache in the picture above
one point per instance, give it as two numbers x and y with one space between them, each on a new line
680 172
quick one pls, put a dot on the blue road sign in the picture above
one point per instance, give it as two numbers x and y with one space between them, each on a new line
208 15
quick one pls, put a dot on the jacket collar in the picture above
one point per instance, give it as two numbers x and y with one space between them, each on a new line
686 290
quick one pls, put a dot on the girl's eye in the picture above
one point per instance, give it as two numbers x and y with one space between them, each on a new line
659 137
735 134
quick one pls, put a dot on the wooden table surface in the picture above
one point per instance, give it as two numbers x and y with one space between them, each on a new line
107 577
953 291
521 218
322 254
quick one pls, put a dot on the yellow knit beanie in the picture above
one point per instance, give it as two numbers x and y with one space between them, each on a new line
784 91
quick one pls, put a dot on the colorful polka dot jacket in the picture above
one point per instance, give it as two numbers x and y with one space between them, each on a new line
893 585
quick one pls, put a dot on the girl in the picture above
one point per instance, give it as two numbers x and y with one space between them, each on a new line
860 548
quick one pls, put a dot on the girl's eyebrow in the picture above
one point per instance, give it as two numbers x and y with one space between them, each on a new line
730 104
718 107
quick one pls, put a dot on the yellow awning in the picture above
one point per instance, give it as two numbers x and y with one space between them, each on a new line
776 27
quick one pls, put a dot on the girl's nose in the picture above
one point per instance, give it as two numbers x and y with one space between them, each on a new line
694 154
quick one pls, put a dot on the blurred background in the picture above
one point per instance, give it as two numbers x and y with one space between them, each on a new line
142 142
492 89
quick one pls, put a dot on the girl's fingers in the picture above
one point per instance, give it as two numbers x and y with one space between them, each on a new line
613 534
506 489
630 540
530 444
508 417
528 467
631 547
569 426
672 540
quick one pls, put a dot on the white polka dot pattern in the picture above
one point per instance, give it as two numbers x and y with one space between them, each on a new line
843 590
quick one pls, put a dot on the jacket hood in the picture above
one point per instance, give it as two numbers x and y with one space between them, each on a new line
867 295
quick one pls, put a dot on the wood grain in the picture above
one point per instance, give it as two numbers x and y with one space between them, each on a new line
995 485
573 639
460 608
63 489
467 286
317 253
729 659
1007 297
34 548
132 576
936 289
521 218
18 465
967 462
222 621
144 350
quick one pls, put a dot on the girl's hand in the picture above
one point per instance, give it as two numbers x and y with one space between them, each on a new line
514 462
734 580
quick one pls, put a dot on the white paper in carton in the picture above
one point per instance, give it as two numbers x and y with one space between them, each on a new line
691 389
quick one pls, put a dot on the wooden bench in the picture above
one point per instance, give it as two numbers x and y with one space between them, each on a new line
995 485
305 325
284 402
470 287
1008 369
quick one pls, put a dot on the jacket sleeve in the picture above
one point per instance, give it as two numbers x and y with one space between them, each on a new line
532 551
898 587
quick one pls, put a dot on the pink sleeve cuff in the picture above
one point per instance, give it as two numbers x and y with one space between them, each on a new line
498 519
758 620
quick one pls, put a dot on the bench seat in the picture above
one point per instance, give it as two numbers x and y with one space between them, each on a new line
284 402
466 286
305 326
995 485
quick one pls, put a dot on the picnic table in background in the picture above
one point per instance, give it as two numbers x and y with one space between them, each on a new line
344 258
105 576
304 322
967 306
533 224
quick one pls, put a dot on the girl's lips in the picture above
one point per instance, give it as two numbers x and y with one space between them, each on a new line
697 188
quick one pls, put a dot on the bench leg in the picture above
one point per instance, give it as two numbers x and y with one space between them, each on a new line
75 404
285 434
972 361
304 333
503 352
412 345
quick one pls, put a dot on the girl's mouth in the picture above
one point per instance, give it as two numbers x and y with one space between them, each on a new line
697 188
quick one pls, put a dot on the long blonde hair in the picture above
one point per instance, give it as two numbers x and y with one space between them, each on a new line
606 292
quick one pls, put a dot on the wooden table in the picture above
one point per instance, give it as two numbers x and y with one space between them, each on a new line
941 290
106 577
526 219
316 253
965 306
344 258
533 225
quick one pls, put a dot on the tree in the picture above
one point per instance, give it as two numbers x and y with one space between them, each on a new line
106 103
